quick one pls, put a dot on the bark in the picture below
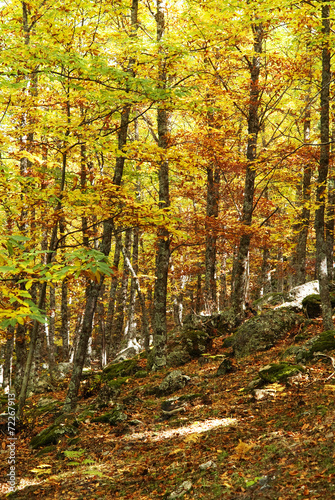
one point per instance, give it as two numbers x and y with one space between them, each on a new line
163 244
145 325
92 294
118 327
240 281
321 254
300 253
8 361
112 299
131 323
94 289
212 212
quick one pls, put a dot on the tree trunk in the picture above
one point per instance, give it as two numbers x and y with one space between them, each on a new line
241 265
212 212
321 254
8 355
163 244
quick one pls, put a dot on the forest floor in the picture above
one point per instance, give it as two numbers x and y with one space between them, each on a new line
278 447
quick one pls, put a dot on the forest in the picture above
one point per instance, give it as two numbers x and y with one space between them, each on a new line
160 162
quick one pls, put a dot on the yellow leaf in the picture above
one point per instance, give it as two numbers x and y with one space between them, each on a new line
330 387
242 449
20 320
192 438
29 284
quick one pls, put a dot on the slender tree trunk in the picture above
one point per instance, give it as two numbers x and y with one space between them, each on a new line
240 281
300 253
112 299
7 367
94 289
118 327
321 253
163 244
212 212
92 294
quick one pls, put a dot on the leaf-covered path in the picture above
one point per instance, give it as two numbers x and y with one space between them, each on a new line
278 447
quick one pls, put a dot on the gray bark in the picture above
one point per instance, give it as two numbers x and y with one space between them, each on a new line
241 265
163 244
321 253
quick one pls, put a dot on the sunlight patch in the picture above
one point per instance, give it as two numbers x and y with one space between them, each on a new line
194 428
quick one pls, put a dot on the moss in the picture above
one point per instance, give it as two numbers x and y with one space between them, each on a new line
312 304
116 384
324 342
53 434
47 449
196 342
122 369
263 331
279 372
178 358
113 418
141 374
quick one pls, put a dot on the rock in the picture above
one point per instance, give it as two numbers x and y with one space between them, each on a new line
181 490
312 305
52 435
321 343
208 465
178 358
225 367
279 372
298 293
110 391
270 299
264 331
172 382
129 352
43 384
195 342
113 417
124 368
61 370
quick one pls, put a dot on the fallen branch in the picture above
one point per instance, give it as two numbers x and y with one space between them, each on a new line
332 361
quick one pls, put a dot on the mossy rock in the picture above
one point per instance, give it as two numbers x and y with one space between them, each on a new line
279 372
263 331
54 433
196 342
47 449
225 367
312 305
124 368
321 343
141 374
178 358
270 299
113 417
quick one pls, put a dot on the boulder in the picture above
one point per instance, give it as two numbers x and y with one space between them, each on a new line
225 367
321 343
124 368
312 305
263 331
297 294
114 417
172 382
279 372
63 427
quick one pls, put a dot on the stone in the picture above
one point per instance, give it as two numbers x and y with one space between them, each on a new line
172 382
225 367
263 331
208 465
279 372
113 417
181 490
297 294
55 432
